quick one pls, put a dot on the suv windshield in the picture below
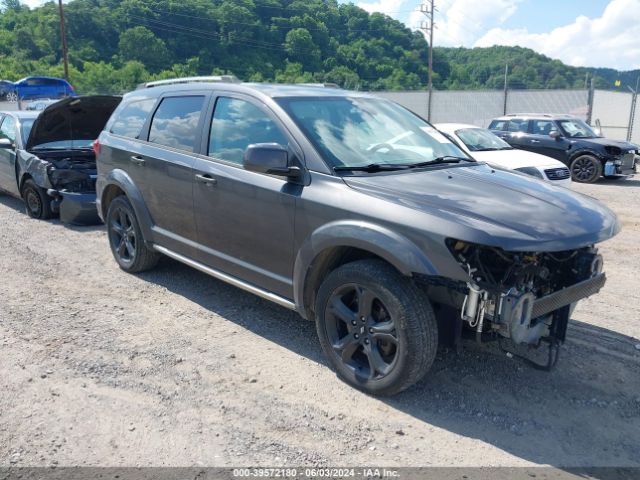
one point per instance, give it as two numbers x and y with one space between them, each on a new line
358 132
577 129
480 140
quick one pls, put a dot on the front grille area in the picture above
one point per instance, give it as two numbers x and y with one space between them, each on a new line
568 295
628 159
557 173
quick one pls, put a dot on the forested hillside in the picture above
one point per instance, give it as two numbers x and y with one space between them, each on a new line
115 44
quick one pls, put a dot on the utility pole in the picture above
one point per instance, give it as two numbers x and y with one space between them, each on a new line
427 10
632 113
506 87
63 37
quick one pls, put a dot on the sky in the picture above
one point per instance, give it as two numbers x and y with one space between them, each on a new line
583 33
589 33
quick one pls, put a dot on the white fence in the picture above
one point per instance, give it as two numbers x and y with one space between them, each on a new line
611 110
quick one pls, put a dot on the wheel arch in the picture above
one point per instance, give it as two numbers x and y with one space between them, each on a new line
119 183
342 242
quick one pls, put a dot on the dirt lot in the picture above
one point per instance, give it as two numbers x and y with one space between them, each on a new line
174 368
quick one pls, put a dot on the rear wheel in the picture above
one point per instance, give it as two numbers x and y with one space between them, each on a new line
12 97
36 200
586 169
376 327
125 238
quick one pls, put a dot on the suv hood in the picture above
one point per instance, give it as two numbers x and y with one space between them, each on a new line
73 118
498 208
624 146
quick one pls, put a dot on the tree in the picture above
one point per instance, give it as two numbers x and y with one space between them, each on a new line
301 48
141 44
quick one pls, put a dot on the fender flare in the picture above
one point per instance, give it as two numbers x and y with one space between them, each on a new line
396 249
586 151
123 181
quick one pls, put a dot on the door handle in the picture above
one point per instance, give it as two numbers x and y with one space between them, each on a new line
208 180
137 159
535 141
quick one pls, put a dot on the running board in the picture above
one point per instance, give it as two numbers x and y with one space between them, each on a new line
227 278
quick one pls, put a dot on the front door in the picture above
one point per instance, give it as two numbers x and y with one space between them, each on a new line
245 220
8 180
540 141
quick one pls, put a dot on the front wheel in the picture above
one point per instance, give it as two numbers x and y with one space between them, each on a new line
12 97
376 327
125 238
586 169
36 200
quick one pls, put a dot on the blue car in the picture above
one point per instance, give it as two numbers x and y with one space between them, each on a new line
30 88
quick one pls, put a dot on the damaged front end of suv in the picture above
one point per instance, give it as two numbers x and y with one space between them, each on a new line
58 163
527 297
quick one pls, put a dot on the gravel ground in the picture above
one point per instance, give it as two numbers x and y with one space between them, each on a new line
173 368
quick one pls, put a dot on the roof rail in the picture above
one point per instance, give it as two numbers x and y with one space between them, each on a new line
547 115
321 85
173 81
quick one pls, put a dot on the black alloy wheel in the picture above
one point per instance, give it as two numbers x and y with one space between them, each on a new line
362 332
376 326
125 238
586 169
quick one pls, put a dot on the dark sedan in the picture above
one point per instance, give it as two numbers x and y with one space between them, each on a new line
46 158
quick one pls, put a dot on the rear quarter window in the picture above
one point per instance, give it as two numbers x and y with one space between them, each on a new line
131 119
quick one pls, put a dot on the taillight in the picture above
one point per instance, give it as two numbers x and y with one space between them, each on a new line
71 87
96 146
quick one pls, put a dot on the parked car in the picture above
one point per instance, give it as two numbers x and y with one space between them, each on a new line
40 104
46 158
570 140
30 88
5 86
353 212
484 146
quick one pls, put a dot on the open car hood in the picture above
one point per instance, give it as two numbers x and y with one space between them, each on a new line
73 118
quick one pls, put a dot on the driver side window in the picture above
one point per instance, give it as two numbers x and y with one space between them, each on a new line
237 124
8 128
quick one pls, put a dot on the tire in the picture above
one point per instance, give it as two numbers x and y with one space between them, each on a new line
586 169
125 238
37 202
396 343
11 97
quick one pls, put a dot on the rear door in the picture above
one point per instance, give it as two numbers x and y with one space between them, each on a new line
8 129
162 167
245 220
516 134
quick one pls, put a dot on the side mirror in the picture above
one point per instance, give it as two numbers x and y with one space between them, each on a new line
554 134
269 158
6 143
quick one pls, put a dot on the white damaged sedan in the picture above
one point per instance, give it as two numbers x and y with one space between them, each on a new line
484 146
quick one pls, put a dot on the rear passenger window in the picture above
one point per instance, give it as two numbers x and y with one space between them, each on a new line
131 118
175 123
518 125
237 124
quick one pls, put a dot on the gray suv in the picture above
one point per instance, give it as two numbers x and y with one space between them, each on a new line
351 211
